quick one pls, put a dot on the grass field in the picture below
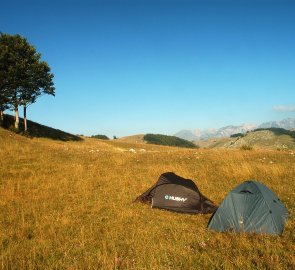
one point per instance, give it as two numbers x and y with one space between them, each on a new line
69 205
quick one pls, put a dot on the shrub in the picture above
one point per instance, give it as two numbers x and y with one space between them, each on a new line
246 147
101 137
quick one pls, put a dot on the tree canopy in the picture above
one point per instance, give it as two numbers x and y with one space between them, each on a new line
23 75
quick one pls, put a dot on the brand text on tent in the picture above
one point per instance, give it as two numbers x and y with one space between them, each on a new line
175 198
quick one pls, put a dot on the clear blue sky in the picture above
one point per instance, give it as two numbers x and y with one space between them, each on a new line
129 67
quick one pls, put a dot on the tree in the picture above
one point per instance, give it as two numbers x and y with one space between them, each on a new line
3 104
39 82
26 76
3 89
3 99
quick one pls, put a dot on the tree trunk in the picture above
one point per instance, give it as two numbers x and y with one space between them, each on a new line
25 117
16 123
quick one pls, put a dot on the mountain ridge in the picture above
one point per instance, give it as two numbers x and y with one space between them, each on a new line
227 131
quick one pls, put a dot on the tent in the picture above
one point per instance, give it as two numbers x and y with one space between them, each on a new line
250 207
174 193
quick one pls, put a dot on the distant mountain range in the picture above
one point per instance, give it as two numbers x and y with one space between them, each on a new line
197 134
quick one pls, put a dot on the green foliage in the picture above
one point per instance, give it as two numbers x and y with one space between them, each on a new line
237 135
168 140
279 131
101 137
3 99
23 76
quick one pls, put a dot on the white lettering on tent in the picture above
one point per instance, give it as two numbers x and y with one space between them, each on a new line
175 198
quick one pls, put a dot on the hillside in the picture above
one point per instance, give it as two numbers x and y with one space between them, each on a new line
157 139
264 139
160 139
132 139
40 131
269 138
69 205
213 142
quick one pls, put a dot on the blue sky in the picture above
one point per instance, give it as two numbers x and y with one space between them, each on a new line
129 67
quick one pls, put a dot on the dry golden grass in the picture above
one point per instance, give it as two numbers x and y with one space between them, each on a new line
135 139
68 205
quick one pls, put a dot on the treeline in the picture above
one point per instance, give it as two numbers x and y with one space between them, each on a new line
24 77
168 140
237 135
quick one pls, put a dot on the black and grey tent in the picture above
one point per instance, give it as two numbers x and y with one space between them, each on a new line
250 207
174 193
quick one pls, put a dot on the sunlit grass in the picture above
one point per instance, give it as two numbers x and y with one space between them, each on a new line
69 205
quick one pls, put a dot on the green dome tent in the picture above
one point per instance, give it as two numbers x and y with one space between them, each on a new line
250 207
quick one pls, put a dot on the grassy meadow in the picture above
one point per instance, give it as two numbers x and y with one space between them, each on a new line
69 205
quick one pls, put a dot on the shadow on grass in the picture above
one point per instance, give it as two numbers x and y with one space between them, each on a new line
38 130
